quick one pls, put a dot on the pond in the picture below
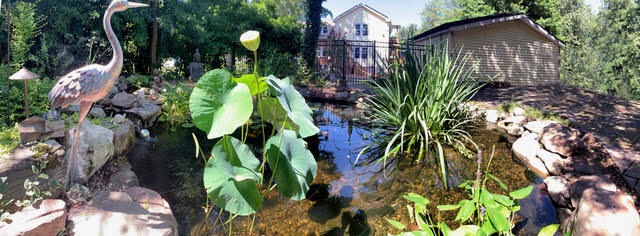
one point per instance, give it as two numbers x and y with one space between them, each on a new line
346 196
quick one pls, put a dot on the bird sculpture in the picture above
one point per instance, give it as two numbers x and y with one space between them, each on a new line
90 83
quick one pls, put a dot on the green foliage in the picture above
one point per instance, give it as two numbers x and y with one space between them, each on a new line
176 104
9 139
12 101
421 104
25 26
437 12
484 213
140 81
33 193
220 104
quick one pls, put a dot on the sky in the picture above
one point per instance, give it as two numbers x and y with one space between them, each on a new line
401 12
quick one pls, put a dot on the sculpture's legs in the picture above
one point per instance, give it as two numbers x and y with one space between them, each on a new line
85 107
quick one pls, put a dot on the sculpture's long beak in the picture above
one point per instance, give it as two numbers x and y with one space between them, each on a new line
135 4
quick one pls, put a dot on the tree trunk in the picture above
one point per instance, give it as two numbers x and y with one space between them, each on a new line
154 33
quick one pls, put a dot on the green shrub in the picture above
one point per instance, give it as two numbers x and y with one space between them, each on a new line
420 103
9 139
140 81
176 108
12 101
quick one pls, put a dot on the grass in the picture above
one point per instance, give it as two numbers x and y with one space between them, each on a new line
531 112
419 103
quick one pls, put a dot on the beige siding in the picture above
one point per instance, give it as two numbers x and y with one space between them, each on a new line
511 52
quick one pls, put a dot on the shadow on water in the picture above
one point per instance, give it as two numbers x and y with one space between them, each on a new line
345 197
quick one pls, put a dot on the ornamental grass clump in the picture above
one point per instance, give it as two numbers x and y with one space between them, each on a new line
421 104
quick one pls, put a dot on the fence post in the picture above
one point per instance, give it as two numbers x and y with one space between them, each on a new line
344 63
375 63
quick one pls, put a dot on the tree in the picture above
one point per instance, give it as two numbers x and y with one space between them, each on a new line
26 27
312 31
406 32
619 44
437 12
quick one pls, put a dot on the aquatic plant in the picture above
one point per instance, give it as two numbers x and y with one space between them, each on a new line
484 213
221 104
420 103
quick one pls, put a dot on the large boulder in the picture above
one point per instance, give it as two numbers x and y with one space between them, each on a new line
561 139
604 212
526 149
48 217
138 211
558 189
95 147
537 126
124 136
147 112
124 100
553 162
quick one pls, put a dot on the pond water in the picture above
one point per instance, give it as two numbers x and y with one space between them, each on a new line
346 197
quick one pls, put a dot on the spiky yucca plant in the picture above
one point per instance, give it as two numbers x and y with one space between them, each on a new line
421 103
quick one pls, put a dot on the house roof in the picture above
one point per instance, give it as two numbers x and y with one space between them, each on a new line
366 7
486 20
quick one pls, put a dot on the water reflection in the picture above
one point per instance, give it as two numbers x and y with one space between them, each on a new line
346 197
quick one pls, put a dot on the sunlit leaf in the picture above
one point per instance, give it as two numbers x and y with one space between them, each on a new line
549 230
498 219
256 85
231 177
294 104
416 198
292 164
521 193
466 230
218 105
466 210
448 207
396 224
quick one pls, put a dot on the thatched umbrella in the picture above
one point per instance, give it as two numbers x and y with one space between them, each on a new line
24 74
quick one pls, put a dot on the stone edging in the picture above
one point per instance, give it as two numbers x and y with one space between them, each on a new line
579 176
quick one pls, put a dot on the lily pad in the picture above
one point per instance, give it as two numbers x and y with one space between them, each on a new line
218 105
231 177
295 105
292 164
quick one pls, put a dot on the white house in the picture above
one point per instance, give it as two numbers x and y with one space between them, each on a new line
368 34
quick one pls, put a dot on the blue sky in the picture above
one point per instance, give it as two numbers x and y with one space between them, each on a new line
401 12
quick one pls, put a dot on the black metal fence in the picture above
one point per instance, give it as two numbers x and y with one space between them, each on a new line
360 61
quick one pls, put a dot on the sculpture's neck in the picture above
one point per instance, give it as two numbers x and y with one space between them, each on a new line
115 65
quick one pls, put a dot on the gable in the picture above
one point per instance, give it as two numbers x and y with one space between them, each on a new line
362 10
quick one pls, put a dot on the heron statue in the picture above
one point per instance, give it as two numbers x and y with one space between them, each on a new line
90 83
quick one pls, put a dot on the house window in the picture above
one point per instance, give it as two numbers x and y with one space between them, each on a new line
360 52
362 29
322 52
324 30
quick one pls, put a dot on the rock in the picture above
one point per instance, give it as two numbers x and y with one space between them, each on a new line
124 136
122 180
18 169
118 118
95 147
31 129
46 218
578 187
552 161
515 130
51 146
561 139
78 194
142 91
138 211
97 113
148 113
54 129
491 116
558 190
341 96
124 100
123 87
603 212
517 120
526 149
518 111
536 126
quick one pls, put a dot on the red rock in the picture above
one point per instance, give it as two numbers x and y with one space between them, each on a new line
48 218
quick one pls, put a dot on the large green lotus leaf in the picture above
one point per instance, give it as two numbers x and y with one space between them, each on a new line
273 113
218 105
231 179
294 104
256 85
292 164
